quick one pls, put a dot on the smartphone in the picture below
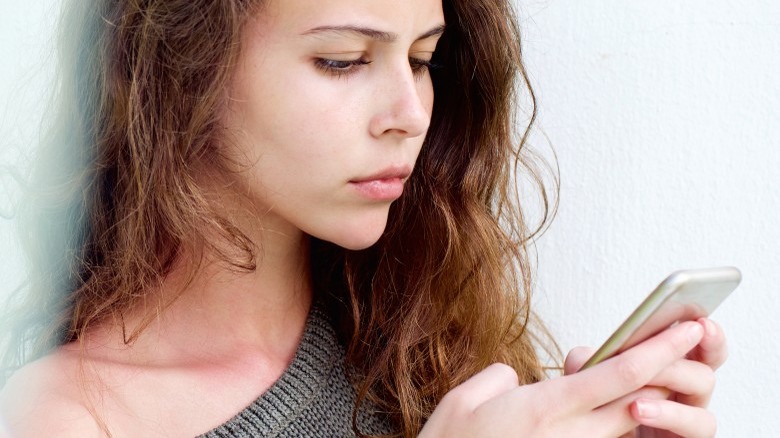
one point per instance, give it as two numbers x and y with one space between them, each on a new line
684 296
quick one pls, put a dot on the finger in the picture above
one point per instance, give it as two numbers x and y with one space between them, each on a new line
463 400
633 368
489 383
550 407
576 358
615 417
683 420
712 349
692 381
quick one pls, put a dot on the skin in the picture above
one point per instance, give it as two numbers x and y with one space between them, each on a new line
653 386
315 123
311 110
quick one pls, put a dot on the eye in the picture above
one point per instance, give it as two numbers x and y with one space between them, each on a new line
340 68
421 66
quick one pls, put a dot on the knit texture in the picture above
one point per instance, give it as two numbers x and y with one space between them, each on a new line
313 398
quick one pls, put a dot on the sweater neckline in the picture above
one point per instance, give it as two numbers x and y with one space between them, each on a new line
298 386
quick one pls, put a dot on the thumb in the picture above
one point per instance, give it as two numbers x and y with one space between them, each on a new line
576 358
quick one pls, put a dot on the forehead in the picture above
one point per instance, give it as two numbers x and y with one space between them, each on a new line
402 17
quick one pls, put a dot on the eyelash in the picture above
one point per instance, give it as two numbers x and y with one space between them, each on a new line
342 69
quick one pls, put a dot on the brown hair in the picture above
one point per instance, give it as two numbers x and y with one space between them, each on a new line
444 293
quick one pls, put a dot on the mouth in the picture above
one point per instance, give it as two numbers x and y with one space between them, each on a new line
385 185
401 172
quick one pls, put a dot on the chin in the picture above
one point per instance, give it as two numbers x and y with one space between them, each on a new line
357 236
354 230
357 242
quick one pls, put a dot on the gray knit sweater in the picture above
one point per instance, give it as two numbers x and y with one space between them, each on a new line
313 398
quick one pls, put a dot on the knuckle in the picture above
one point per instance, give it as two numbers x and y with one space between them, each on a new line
505 373
542 409
709 426
456 400
631 372
704 376
681 343
708 381
487 384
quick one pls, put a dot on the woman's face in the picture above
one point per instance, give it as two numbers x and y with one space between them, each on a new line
329 106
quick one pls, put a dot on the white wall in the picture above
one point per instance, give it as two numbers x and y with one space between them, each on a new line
26 61
664 116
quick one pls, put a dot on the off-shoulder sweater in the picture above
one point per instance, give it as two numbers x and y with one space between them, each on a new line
313 398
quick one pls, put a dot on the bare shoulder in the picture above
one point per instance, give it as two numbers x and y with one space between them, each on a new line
44 399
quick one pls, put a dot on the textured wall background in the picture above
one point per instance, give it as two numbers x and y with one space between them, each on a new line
665 116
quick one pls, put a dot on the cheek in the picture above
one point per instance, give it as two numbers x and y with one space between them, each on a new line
286 128
311 115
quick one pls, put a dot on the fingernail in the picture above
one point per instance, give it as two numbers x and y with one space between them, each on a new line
695 333
647 409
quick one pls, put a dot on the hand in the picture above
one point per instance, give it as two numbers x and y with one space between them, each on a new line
595 401
690 382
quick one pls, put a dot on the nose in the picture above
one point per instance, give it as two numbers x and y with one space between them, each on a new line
403 105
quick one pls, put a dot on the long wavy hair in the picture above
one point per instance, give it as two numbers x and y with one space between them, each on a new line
443 294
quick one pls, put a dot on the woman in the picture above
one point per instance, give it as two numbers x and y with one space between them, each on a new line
281 232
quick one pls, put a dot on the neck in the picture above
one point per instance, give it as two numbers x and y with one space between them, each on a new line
221 312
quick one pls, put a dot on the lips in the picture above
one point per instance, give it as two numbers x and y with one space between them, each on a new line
393 172
385 185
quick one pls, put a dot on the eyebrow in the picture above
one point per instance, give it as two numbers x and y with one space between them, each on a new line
378 35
